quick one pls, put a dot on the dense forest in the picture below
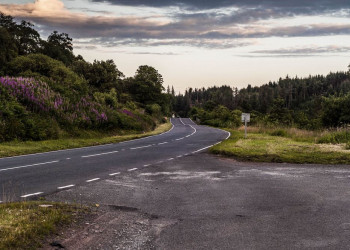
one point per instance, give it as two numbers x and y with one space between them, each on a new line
314 102
46 91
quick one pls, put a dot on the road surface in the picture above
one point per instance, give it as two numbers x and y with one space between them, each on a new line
29 176
202 202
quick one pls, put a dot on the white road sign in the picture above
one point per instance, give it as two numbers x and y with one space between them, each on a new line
245 117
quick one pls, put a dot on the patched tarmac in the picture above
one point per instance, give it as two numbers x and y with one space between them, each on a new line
205 202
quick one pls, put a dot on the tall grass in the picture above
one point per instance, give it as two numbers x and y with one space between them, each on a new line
23 225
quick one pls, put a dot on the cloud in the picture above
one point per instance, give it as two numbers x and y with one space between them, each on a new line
216 4
311 50
219 28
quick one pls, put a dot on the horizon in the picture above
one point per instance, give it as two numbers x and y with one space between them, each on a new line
195 45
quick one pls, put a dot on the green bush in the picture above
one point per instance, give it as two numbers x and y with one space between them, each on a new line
335 137
279 132
39 65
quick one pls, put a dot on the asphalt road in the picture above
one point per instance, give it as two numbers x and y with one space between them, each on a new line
202 201
26 177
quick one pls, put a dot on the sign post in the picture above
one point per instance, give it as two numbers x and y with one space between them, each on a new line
245 119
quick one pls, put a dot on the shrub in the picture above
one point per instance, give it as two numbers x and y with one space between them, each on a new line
335 137
279 132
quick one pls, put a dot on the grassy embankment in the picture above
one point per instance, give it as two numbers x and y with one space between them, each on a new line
24 225
14 148
286 145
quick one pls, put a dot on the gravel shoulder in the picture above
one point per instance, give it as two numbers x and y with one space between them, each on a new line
205 202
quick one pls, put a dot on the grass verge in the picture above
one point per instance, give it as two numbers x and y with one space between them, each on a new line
15 148
23 225
264 147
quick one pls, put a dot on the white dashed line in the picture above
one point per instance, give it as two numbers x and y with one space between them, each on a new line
147 165
179 156
96 179
107 153
162 143
132 169
182 122
31 165
68 158
159 162
68 186
170 159
179 139
27 195
147 146
114 174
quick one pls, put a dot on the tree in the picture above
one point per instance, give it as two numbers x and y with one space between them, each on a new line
147 85
104 75
8 49
59 47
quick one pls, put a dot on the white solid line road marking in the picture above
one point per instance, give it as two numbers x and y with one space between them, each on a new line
114 174
31 165
27 195
132 169
162 143
147 165
95 179
107 153
147 146
179 139
74 149
201 149
68 186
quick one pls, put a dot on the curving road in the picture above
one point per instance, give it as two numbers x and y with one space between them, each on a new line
28 176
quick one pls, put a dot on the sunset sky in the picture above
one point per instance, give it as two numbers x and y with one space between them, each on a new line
196 43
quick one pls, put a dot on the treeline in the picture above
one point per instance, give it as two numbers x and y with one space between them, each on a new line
314 102
46 91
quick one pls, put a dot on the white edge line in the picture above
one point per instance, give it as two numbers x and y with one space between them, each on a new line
79 148
31 165
27 195
114 174
95 179
132 169
68 186
170 159
201 149
107 153
147 165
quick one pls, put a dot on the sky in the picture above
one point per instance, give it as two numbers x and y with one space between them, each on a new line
201 43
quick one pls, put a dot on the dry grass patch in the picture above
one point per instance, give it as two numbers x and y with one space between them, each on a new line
24 225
